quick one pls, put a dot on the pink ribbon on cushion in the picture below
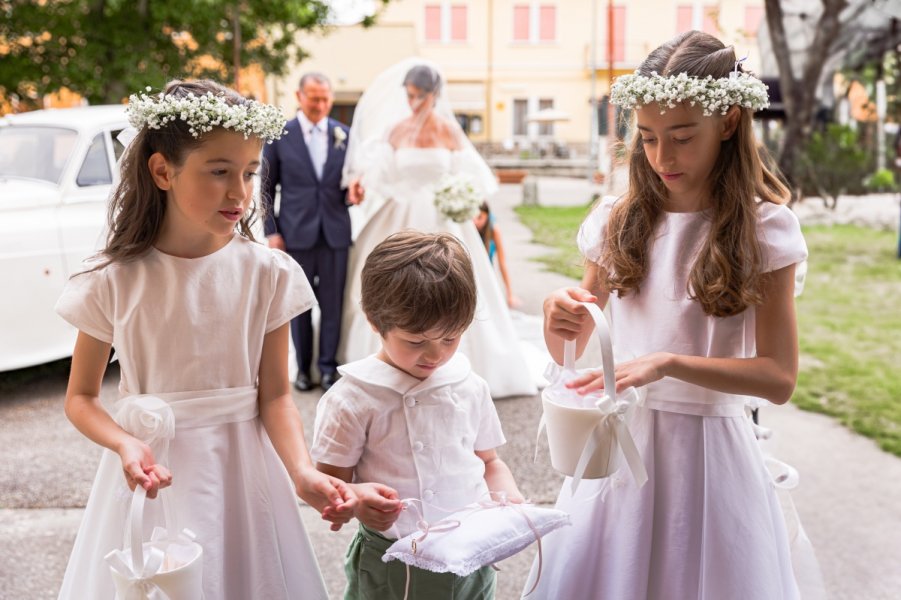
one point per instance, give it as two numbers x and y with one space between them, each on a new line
448 524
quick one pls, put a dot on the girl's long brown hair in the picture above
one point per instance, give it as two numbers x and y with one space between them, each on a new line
726 275
137 205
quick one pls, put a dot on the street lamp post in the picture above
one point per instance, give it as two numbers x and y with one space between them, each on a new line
593 134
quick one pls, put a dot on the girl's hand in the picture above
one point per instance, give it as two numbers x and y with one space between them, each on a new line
140 467
634 373
329 495
564 315
379 505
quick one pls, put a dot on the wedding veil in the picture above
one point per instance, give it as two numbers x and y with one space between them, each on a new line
384 105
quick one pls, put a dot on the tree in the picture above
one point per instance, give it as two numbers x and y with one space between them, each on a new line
799 93
106 49
837 29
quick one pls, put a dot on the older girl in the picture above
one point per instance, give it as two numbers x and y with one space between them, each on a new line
697 262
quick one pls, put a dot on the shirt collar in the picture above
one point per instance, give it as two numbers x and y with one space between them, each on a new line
306 124
374 371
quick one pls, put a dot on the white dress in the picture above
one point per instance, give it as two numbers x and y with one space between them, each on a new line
190 331
399 189
707 524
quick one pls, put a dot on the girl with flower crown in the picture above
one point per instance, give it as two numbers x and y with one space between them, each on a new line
198 314
696 262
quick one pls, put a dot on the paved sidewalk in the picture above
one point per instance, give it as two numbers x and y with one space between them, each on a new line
848 499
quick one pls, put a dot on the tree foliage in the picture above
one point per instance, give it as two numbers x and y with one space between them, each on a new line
106 49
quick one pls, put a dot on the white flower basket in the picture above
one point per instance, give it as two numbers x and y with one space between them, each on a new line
169 566
584 431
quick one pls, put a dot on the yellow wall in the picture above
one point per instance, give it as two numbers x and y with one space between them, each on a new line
352 56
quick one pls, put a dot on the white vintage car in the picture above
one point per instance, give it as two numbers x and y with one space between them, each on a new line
56 171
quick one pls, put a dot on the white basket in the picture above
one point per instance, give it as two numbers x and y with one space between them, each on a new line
168 566
583 440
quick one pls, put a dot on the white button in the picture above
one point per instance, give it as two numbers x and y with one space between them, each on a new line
427 494
417 447
409 401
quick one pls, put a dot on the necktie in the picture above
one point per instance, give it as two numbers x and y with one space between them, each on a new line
317 150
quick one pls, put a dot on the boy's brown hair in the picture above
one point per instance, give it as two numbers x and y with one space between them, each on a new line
418 281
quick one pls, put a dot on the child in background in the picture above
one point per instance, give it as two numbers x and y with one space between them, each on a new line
697 261
198 314
413 420
494 245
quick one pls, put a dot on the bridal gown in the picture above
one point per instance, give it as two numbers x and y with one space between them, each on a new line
400 187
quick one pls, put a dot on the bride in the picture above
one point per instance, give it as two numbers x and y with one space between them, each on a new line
404 139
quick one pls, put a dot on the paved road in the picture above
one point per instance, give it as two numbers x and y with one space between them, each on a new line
848 499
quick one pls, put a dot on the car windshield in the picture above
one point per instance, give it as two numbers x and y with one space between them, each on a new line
35 152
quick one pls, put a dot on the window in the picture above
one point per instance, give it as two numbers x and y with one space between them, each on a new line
619 34
754 16
433 22
546 129
520 109
118 148
95 169
458 23
534 23
446 22
709 18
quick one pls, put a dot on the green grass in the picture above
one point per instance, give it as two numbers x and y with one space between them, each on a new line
848 318
557 227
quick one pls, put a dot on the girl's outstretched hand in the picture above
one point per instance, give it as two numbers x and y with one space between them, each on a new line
379 505
331 496
564 315
140 467
634 373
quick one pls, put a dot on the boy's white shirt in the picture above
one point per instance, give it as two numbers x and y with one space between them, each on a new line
416 436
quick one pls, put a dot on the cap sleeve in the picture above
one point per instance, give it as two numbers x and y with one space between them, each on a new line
591 233
86 303
340 427
292 292
780 237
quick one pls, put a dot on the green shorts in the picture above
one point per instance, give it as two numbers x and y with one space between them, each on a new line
368 578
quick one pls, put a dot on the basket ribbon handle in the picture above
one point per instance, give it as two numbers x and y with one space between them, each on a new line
142 568
613 410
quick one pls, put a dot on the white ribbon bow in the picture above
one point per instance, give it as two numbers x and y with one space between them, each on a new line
614 416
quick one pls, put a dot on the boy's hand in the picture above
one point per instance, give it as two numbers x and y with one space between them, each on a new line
379 505
140 467
329 495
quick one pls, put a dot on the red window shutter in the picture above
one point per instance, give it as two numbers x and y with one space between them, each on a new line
683 18
711 18
458 22
547 23
619 34
433 22
753 18
521 22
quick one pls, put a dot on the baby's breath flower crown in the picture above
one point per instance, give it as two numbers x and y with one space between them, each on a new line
713 95
203 113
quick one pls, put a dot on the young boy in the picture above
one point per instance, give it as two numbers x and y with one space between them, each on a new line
413 420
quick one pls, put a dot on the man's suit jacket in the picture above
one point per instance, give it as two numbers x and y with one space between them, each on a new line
308 205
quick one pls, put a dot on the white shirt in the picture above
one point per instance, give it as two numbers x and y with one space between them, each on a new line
316 144
663 318
416 436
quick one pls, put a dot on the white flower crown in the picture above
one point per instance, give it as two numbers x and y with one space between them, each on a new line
203 113
714 95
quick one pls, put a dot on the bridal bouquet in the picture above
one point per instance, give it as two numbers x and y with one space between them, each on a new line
456 198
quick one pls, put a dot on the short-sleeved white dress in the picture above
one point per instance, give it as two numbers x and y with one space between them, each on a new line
190 332
708 524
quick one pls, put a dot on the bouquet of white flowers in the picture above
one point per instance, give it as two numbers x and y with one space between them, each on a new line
456 198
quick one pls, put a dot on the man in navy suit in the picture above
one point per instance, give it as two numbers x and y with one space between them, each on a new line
313 224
